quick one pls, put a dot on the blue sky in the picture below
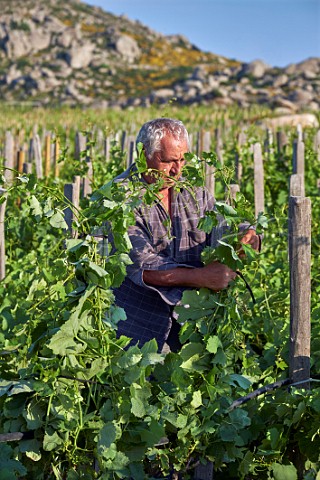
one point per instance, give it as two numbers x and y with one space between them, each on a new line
279 32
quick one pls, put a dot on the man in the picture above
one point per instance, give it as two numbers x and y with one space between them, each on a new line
166 242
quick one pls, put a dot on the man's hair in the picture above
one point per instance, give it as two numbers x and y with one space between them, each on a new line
152 132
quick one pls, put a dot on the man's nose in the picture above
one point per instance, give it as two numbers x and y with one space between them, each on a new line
176 167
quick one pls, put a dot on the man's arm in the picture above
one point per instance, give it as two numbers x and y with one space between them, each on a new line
215 276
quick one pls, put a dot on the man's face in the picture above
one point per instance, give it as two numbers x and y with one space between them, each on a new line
168 162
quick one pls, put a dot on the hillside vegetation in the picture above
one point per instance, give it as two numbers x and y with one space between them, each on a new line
55 52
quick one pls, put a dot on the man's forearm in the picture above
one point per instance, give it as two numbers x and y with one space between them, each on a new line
214 276
176 277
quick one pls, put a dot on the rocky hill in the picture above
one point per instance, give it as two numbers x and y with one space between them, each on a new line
67 52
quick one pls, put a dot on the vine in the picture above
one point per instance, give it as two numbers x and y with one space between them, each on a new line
88 406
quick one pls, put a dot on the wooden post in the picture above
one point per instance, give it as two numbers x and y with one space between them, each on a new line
80 145
31 150
72 193
191 142
117 138
299 133
21 135
219 144
2 236
296 185
219 152
123 141
56 156
47 155
27 167
300 288
268 143
99 139
77 184
38 156
8 156
282 142
21 160
242 138
131 146
258 179
106 149
206 141
199 148
298 161
20 163
298 157
86 184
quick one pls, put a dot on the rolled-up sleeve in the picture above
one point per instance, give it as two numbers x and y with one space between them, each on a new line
145 256
160 242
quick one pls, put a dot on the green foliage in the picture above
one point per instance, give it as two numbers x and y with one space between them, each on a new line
92 406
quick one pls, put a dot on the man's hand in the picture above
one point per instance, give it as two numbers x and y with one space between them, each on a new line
216 276
251 238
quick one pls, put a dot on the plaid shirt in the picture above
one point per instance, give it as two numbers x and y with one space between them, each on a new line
159 243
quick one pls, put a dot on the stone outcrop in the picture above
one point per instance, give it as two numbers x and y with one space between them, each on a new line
80 55
127 47
73 53
257 69
275 88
